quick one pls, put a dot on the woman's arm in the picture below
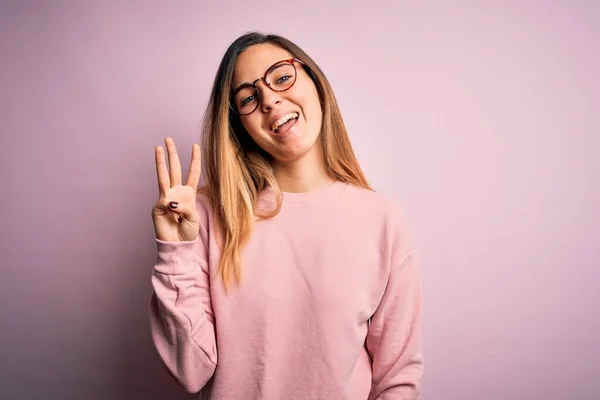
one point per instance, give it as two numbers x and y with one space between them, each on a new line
181 316
394 336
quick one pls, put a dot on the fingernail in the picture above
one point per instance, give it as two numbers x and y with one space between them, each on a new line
173 204
179 219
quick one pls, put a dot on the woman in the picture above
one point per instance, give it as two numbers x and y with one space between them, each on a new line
286 276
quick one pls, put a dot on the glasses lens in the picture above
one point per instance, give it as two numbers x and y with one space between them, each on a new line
281 76
246 100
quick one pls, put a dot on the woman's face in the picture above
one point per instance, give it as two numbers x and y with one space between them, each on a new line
285 124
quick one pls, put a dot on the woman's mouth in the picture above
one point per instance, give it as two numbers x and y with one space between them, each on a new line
285 123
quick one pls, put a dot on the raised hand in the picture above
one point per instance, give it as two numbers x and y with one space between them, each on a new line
175 214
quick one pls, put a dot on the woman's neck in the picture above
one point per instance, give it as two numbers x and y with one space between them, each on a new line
305 174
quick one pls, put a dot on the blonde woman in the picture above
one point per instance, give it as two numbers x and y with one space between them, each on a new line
286 276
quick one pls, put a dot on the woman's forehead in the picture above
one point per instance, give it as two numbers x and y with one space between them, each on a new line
255 60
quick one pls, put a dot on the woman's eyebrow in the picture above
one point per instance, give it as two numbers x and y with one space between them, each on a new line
273 68
241 86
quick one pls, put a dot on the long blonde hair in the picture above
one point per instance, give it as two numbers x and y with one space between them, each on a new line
237 170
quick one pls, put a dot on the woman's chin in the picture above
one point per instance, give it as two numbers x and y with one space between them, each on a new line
292 150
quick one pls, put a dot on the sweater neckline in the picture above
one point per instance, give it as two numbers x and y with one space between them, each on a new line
312 196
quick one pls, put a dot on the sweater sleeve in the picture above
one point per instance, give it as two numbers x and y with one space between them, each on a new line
394 336
181 316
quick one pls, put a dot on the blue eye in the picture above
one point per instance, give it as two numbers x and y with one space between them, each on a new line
247 100
283 79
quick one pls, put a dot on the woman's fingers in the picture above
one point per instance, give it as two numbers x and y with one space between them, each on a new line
174 165
171 176
161 171
178 210
195 167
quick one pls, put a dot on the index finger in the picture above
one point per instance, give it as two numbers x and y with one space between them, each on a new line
195 167
161 171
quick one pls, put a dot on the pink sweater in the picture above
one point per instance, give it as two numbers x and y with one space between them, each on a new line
329 306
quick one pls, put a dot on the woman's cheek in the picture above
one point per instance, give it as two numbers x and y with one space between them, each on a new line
253 126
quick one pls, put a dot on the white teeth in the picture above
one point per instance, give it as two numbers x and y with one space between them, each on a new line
283 120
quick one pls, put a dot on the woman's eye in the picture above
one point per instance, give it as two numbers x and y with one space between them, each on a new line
247 100
283 79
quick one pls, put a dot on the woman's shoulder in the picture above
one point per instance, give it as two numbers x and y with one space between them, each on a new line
376 200
382 207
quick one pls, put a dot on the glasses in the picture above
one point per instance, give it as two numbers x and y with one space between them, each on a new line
279 77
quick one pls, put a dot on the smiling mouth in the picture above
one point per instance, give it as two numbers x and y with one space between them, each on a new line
286 121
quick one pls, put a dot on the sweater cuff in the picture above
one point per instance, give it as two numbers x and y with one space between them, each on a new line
175 258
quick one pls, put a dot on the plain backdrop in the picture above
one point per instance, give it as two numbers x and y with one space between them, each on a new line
480 118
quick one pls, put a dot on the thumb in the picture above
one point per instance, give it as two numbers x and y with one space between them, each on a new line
179 211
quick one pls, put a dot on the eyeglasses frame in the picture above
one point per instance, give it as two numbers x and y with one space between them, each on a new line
264 80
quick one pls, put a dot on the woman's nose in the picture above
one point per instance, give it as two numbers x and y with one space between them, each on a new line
269 98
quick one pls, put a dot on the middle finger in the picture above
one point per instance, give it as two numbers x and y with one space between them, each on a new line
174 164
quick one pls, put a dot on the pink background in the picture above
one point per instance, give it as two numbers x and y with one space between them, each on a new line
480 118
